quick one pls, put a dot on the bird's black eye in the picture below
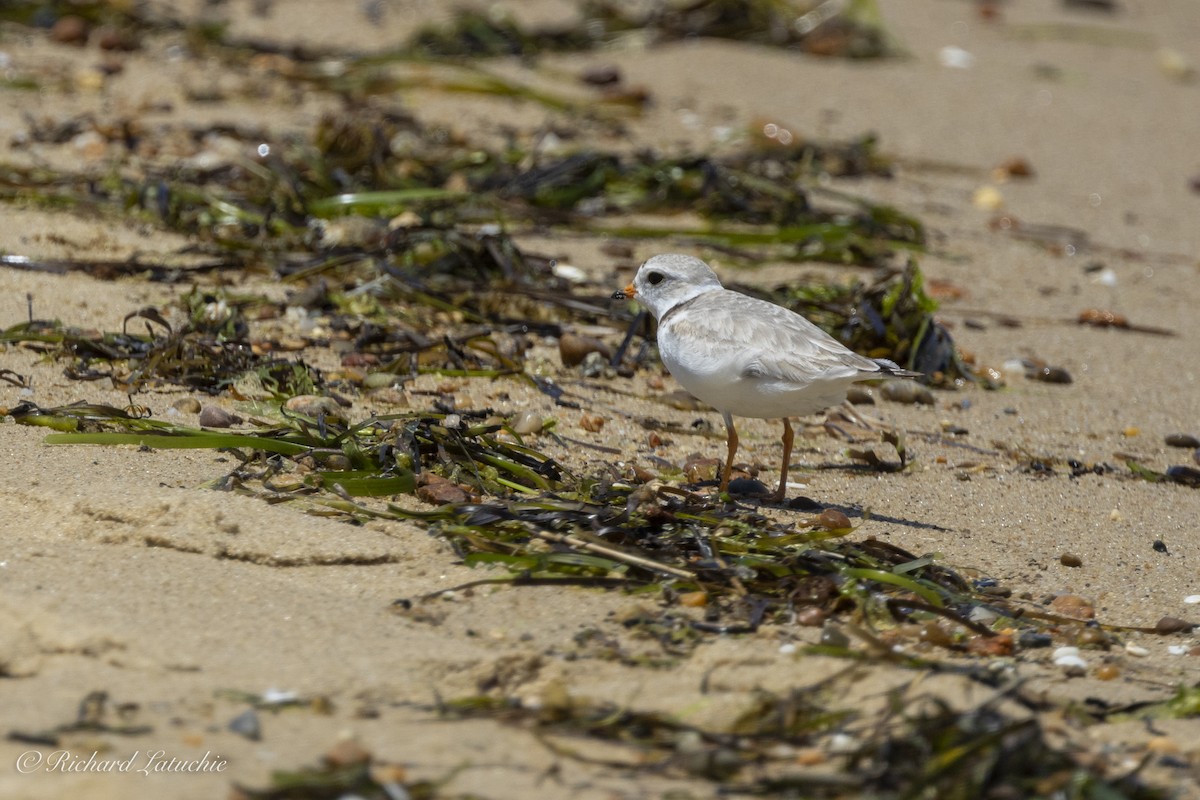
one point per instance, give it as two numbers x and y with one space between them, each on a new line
654 278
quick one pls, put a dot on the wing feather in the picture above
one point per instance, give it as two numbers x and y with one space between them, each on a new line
767 342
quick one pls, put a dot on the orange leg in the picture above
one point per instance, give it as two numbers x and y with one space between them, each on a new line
733 446
788 435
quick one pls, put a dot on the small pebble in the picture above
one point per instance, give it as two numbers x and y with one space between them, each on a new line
936 635
70 30
1102 319
693 599
1182 440
336 462
217 417
89 78
1192 599
999 646
907 392
601 75
1071 662
1070 560
389 396
699 469
1107 672
527 422
1162 744
1137 651
832 636
983 615
860 395
379 380
633 613
311 405
1188 476
1173 625
1093 637
391 777
1050 375
573 348
787 648
591 423
832 520
439 491
1072 605
595 364
246 725
1030 640
188 405
347 752
810 757
111 38
1175 65
985 198
811 616
1013 168
843 743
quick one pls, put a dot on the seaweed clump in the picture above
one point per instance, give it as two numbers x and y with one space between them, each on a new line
925 748
210 352
380 165
890 317
853 30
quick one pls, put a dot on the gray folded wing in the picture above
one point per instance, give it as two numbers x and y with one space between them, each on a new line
771 343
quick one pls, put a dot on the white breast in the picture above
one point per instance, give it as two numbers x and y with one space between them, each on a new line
717 375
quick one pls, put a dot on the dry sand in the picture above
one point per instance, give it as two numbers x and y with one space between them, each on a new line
117 574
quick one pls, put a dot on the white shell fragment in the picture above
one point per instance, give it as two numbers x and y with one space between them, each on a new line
955 58
568 272
1069 659
273 697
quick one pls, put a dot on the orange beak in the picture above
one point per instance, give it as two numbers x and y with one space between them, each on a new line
624 294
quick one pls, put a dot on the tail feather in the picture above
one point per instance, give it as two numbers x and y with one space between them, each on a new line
890 369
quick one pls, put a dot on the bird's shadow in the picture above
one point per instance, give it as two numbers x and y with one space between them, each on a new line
751 494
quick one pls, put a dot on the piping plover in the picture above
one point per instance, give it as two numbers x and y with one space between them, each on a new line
745 356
